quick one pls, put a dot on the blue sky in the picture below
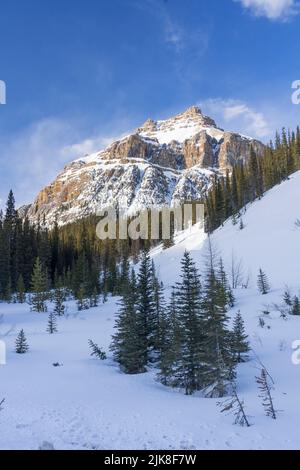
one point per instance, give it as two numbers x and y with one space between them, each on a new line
80 73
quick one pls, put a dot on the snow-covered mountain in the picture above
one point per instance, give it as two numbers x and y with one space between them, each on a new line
90 404
161 163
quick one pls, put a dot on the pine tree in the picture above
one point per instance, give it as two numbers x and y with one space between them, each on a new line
128 345
218 359
94 299
59 298
158 325
39 288
287 298
82 302
21 297
240 345
96 351
52 324
241 226
295 306
21 343
262 283
265 390
170 347
145 308
187 368
226 297
236 406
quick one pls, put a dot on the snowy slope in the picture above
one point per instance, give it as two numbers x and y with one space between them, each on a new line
87 404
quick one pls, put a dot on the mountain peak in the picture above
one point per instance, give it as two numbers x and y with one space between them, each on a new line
193 111
180 127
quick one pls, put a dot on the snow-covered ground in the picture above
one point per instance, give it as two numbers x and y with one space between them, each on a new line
87 404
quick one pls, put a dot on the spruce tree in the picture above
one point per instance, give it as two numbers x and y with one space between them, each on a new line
158 325
287 297
170 346
59 298
240 344
39 288
94 299
262 283
235 406
128 346
265 393
21 343
82 302
20 296
188 367
52 324
295 306
97 351
218 359
145 309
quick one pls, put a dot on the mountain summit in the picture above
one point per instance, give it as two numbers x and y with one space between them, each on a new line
161 163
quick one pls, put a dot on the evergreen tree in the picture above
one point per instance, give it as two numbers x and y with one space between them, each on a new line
82 302
94 299
21 297
128 346
262 283
170 344
21 343
188 366
218 359
39 288
236 406
52 324
96 351
145 308
295 306
265 390
240 344
157 333
287 298
59 298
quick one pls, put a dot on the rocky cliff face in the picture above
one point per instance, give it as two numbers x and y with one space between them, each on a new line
162 162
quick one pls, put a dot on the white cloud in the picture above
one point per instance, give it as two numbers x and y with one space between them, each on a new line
238 116
272 9
34 157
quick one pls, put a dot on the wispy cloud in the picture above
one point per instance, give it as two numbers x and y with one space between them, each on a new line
272 9
35 156
184 42
238 116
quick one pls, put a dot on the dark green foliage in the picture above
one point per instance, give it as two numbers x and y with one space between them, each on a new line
240 344
21 343
265 393
218 358
252 179
188 366
287 298
20 296
39 288
129 344
146 314
263 283
52 323
170 344
295 308
96 351
59 299
82 301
